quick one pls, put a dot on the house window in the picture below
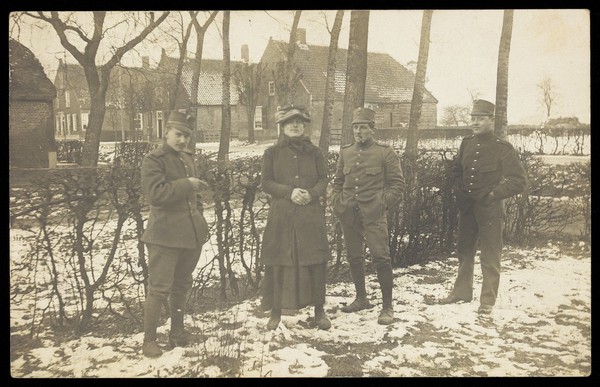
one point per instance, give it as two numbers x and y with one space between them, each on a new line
258 117
67 99
85 118
271 88
137 121
159 124
62 123
58 129
74 118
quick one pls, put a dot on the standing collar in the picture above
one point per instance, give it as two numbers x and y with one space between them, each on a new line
365 144
485 136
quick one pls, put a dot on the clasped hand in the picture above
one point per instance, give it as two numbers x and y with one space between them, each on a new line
301 196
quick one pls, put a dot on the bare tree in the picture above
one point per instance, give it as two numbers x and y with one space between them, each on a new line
419 87
456 115
548 94
502 75
182 43
330 83
286 74
474 93
248 80
222 156
200 32
73 35
356 70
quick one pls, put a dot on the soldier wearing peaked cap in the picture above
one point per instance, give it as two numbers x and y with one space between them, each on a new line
367 181
175 232
487 170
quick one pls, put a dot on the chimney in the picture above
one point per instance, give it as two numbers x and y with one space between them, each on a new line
145 62
301 36
245 53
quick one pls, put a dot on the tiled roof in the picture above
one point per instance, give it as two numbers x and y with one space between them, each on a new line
210 87
27 79
387 80
75 77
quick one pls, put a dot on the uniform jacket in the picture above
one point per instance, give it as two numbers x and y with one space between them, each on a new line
174 220
368 175
284 169
487 164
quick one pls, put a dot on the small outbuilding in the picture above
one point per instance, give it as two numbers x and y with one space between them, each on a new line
30 109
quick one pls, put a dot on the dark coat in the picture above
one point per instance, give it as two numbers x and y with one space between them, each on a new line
484 164
175 220
367 175
284 169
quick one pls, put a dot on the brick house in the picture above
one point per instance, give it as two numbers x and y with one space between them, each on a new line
126 101
388 91
30 111
210 95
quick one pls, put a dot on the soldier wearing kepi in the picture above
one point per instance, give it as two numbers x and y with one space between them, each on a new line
487 170
175 232
367 181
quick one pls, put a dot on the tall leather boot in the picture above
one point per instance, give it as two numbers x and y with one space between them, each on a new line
152 309
358 276
178 336
386 282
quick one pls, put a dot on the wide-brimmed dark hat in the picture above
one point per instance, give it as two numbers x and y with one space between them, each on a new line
481 107
289 111
180 121
363 115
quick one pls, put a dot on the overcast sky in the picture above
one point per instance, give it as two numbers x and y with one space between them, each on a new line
463 51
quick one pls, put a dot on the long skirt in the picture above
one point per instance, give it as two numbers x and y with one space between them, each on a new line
294 287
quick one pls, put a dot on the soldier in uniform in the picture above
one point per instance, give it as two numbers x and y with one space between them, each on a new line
175 232
487 170
367 181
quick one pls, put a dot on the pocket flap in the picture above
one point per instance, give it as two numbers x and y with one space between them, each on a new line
373 171
347 170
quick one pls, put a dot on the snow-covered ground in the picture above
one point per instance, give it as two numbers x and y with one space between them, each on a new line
540 326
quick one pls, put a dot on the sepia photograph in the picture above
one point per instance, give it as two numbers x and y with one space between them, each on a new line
356 193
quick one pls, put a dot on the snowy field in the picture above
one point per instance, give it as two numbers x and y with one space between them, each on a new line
541 326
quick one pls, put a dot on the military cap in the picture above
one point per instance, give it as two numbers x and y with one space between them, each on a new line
482 107
362 114
289 111
180 121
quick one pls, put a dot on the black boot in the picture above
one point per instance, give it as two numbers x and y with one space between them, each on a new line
179 336
152 309
321 319
386 282
358 276
274 320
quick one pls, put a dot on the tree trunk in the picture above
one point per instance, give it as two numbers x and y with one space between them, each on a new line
324 140
181 62
222 156
356 70
502 75
193 102
416 105
290 83
91 145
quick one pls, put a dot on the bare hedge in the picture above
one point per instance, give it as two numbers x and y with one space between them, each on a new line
88 221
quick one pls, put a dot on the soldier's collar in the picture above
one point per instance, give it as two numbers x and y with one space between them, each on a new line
366 144
485 136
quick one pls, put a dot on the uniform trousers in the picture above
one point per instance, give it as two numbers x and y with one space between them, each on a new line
358 229
481 222
169 275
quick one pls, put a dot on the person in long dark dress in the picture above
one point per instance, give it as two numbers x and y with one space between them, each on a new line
295 249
